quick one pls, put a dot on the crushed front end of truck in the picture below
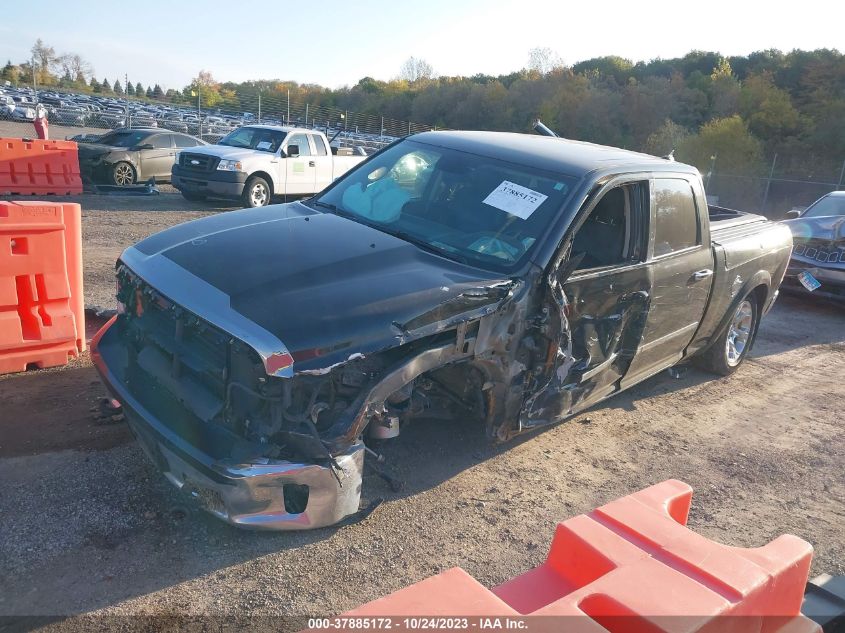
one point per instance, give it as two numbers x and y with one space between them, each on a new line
261 446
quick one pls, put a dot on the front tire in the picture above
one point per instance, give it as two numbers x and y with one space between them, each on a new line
256 192
728 351
123 174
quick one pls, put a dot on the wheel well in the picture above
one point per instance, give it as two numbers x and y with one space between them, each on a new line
760 293
265 176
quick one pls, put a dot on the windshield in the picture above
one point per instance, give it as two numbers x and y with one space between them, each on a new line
123 139
258 138
467 207
827 206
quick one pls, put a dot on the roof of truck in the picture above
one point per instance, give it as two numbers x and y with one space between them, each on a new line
282 128
574 158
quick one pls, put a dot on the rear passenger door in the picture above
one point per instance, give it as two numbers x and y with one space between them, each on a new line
681 267
323 162
156 162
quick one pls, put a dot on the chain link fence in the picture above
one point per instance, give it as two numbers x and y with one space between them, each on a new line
771 195
85 116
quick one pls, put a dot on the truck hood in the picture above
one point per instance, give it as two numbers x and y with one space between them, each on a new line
223 151
319 288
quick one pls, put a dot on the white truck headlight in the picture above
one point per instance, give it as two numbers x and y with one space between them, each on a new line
230 165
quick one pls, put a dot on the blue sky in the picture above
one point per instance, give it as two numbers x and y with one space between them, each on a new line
335 43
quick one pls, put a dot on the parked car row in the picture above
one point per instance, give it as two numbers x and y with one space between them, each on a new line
80 110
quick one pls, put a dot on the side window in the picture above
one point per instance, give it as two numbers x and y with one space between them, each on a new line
184 141
611 233
302 141
320 145
676 218
161 141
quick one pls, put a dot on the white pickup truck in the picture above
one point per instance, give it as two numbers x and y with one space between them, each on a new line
256 162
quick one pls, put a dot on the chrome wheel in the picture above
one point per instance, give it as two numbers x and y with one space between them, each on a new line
124 174
258 194
739 333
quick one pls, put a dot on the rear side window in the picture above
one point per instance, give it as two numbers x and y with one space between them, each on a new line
676 218
184 141
161 141
319 145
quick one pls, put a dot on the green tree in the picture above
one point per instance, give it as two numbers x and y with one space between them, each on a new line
724 90
94 84
105 86
767 109
139 89
11 73
665 139
118 89
728 146
149 93
130 89
206 88
158 93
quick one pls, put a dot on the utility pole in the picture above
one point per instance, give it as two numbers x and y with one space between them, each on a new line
306 115
126 99
288 119
768 184
199 107
34 81
712 167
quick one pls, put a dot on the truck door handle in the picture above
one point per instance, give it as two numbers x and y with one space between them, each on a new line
701 274
311 163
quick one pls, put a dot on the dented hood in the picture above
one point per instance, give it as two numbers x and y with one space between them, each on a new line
830 228
323 286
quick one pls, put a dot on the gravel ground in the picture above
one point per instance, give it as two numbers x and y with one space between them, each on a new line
90 528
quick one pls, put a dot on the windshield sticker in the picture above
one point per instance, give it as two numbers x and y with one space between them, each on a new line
515 199
264 145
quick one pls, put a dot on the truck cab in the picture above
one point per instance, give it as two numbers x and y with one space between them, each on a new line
254 163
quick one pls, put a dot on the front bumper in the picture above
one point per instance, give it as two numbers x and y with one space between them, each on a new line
832 280
252 495
223 184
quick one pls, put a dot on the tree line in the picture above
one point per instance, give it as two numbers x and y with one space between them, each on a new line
736 112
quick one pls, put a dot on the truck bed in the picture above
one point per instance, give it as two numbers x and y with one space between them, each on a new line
722 219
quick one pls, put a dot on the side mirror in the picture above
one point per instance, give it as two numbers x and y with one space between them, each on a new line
792 214
292 151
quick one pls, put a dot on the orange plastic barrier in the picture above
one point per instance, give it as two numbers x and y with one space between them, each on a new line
631 565
42 316
39 167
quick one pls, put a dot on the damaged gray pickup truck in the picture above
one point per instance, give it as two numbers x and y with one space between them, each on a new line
505 278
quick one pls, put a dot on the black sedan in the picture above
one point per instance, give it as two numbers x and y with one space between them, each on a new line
818 258
127 156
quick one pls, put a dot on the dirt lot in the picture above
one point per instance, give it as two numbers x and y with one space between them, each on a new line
90 527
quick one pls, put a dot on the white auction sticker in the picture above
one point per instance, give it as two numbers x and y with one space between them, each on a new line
515 199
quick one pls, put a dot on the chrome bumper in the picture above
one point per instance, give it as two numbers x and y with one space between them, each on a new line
251 495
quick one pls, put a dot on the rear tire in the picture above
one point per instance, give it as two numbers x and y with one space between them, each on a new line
256 192
193 197
728 351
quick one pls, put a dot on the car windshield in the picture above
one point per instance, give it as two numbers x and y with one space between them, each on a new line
466 207
827 206
123 139
258 138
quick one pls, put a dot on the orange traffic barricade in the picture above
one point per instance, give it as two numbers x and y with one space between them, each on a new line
630 565
39 167
42 317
